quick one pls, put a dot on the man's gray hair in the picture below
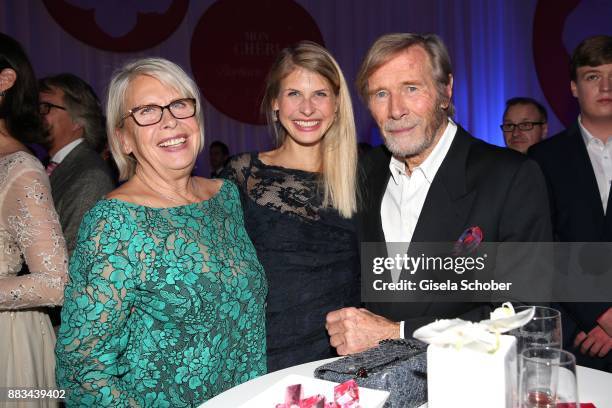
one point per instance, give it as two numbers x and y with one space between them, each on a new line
82 104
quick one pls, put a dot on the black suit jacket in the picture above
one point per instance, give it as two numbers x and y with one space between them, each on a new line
477 184
80 180
577 212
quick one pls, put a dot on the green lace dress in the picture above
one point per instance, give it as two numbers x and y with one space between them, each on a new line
165 306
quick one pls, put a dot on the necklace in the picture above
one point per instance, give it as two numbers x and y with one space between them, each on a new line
159 193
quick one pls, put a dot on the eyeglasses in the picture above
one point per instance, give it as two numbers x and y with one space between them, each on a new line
509 127
148 115
45 107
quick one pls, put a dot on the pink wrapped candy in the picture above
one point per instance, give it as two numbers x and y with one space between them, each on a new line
294 395
346 395
316 401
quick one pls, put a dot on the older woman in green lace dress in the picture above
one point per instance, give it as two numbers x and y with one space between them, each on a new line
165 305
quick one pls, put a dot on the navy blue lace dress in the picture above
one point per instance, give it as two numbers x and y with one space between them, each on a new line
309 254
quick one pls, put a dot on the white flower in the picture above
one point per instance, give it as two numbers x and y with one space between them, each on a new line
482 335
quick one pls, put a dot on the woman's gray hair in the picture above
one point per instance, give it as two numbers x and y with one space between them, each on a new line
390 45
169 74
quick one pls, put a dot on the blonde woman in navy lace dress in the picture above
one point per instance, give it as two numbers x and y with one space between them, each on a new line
299 200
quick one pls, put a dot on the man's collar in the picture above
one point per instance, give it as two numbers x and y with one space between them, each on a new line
65 151
432 163
587 136
398 168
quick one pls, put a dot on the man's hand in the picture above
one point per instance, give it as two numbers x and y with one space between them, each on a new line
605 321
353 330
596 343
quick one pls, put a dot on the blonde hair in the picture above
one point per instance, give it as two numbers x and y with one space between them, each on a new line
169 74
339 146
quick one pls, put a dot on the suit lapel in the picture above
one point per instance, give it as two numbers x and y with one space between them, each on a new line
66 168
447 205
581 169
581 165
66 164
379 178
448 201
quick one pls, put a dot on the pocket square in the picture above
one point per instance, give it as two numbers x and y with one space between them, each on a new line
469 240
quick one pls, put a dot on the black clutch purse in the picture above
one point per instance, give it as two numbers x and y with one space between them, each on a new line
398 366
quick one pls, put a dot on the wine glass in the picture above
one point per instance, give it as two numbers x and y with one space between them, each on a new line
544 329
547 378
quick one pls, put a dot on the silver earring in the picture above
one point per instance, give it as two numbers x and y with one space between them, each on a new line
276 115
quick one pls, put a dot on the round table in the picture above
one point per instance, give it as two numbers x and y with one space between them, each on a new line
593 386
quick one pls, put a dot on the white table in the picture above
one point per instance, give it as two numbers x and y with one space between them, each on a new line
593 386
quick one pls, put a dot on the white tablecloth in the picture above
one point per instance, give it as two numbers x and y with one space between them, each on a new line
593 386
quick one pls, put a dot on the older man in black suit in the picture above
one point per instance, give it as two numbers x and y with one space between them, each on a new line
577 164
78 174
431 182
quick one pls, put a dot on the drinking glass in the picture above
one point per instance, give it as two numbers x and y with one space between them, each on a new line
544 330
547 378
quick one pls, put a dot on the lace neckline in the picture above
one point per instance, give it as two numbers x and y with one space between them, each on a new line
176 207
259 163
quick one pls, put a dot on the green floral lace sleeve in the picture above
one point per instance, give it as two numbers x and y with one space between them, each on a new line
165 306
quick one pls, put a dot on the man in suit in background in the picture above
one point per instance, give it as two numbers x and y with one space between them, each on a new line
430 182
78 174
577 164
524 123
219 153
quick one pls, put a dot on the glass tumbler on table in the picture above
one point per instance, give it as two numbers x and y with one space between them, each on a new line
544 329
547 378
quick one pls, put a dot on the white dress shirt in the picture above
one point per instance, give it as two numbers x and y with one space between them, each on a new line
406 193
65 151
405 196
600 154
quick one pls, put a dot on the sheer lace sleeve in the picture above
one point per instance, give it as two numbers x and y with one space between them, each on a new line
99 299
31 226
237 169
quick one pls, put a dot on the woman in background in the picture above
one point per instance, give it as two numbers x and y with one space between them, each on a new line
299 200
165 305
29 232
